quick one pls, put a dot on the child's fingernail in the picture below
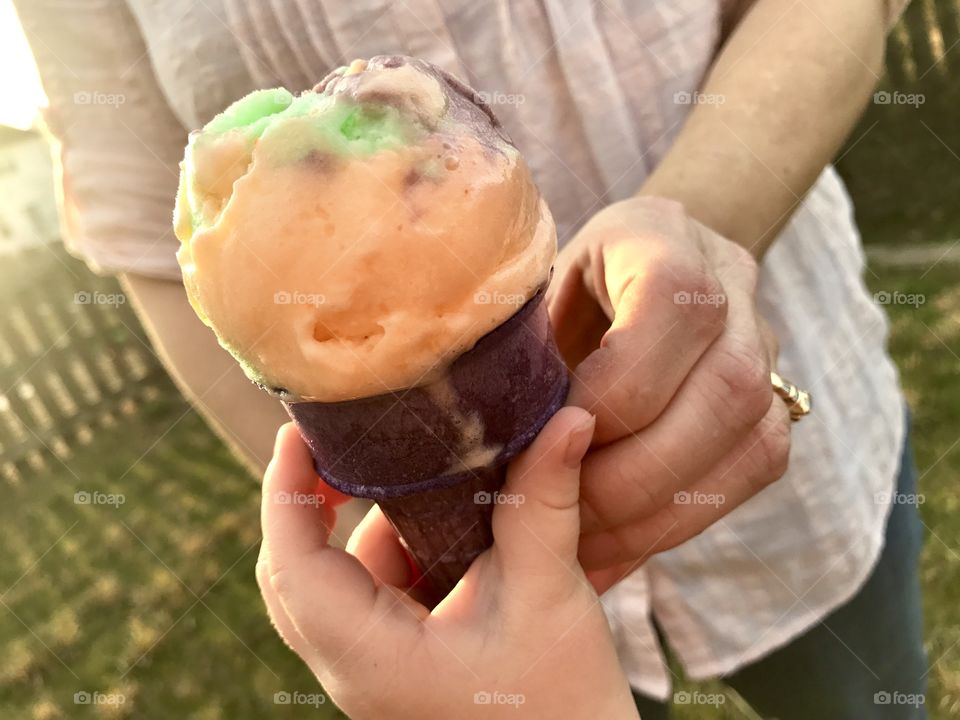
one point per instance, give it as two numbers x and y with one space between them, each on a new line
578 441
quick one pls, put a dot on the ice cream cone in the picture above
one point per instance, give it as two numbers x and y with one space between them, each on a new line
374 252
435 456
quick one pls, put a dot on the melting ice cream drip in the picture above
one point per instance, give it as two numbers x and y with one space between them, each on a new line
470 451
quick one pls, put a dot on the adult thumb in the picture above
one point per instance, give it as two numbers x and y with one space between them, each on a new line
536 522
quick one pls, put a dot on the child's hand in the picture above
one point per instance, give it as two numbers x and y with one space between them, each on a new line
522 635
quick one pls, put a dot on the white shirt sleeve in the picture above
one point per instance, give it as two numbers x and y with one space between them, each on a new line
116 142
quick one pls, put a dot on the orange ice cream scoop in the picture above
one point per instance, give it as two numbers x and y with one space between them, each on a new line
359 237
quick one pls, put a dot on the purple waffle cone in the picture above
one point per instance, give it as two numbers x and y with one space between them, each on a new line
416 451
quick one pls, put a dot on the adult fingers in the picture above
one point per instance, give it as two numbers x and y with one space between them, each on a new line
578 321
755 462
375 543
725 396
641 262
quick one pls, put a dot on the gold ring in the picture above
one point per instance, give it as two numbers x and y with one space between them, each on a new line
798 401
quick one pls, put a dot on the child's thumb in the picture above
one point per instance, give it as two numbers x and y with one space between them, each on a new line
536 523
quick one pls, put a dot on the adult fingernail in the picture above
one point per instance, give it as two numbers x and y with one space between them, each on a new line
578 441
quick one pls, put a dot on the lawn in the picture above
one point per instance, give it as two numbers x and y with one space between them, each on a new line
141 587
146 591
902 161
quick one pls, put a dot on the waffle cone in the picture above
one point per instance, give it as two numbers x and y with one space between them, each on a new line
435 456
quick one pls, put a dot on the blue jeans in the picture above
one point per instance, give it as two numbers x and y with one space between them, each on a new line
863 661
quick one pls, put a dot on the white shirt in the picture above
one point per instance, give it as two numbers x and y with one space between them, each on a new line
599 84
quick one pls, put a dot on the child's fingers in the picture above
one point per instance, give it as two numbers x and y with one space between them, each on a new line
374 542
290 484
327 594
536 523
332 497
278 616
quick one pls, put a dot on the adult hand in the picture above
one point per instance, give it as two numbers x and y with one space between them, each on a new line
656 317
522 636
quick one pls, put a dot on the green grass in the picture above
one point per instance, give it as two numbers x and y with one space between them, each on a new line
926 345
155 598
902 161
901 167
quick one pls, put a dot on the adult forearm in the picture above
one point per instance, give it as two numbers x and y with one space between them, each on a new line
786 90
